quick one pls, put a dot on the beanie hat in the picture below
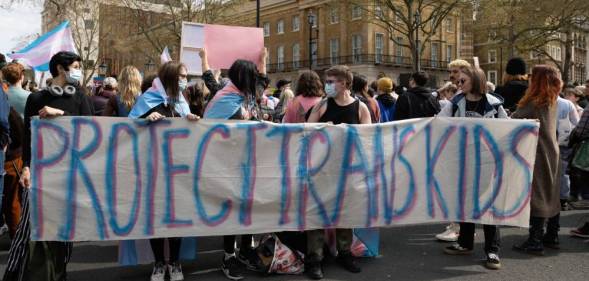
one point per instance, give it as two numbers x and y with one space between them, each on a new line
385 84
516 66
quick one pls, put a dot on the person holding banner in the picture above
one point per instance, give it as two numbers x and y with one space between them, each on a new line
165 99
239 100
540 103
129 89
339 107
475 102
46 260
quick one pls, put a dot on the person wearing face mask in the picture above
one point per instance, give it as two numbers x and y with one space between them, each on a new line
46 260
339 107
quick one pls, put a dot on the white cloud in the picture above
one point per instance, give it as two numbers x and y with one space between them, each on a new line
19 21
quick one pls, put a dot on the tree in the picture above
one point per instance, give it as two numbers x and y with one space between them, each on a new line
410 19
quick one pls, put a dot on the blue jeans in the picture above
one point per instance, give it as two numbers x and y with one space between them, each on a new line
565 183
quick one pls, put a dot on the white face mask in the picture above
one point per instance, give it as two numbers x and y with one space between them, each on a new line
182 84
330 90
74 76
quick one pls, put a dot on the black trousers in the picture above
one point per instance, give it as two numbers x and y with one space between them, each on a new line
492 237
157 246
229 242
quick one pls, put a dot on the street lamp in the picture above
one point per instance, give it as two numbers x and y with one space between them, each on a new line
257 13
417 24
149 66
102 68
311 20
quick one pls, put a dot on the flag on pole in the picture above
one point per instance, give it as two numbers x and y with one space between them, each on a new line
165 56
38 53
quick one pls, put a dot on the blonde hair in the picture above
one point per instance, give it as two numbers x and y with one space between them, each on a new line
285 97
459 64
129 85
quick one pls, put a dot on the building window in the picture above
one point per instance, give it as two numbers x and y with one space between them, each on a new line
398 16
492 58
266 29
357 48
280 58
280 27
314 18
378 47
356 12
558 54
296 23
296 55
399 50
334 15
268 61
449 53
89 24
492 75
334 51
378 12
435 52
449 25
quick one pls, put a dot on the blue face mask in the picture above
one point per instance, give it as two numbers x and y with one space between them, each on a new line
330 90
182 84
74 76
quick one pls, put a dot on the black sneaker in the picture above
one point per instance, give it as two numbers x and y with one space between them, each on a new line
530 247
314 270
493 261
347 261
247 257
456 250
231 268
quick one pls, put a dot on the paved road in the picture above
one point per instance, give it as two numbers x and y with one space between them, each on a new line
408 253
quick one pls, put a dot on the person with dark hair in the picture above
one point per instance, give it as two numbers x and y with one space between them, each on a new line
147 82
33 87
46 260
14 74
540 103
418 101
281 85
308 93
100 99
360 91
515 84
239 100
386 99
197 96
339 108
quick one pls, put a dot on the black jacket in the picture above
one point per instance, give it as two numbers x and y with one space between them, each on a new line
417 102
511 93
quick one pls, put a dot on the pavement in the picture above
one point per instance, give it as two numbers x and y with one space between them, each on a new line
407 253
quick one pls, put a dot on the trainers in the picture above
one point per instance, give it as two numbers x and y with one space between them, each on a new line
348 262
314 270
3 229
159 272
175 270
231 268
530 247
456 249
247 257
451 233
582 232
493 261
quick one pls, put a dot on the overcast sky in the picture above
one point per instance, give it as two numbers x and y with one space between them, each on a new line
17 22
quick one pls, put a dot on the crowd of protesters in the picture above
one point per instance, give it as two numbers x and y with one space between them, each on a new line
561 171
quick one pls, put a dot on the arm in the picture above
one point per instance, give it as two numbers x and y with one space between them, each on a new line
573 114
364 114
318 111
25 179
262 62
204 60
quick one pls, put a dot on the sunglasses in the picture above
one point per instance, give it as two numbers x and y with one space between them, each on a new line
329 81
460 82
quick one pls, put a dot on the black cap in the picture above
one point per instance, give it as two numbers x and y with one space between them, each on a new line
281 83
516 66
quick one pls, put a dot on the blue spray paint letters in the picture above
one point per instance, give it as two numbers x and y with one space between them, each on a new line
286 132
248 169
226 206
78 154
463 143
171 170
110 178
399 141
40 162
152 170
480 133
305 173
432 184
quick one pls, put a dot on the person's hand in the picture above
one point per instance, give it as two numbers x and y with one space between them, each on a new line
192 117
155 117
49 112
25 178
202 53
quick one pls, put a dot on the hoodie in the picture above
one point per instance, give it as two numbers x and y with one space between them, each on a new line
386 104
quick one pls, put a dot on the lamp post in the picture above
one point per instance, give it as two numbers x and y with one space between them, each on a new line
417 51
102 68
149 66
257 13
311 20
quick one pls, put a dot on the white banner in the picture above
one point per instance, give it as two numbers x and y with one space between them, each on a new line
117 178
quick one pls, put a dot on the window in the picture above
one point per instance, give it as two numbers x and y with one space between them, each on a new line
266 29
314 19
268 59
492 74
558 54
280 58
398 16
296 55
492 58
334 51
449 25
399 50
334 15
356 48
435 52
296 23
449 53
378 12
356 12
89 24
378 47
280 27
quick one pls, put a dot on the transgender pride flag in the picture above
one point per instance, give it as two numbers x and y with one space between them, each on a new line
38 53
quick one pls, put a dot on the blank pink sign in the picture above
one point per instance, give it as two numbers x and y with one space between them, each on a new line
225 44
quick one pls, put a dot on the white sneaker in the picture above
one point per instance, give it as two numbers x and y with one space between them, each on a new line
175 271
3 229
451 233
159 272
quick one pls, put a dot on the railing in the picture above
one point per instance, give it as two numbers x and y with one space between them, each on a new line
362 59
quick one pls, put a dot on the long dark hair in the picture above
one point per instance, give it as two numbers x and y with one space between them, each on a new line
243 74
359 84
309 84
168 75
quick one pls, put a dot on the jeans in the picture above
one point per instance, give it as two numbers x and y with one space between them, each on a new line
565 183
316 240
492 237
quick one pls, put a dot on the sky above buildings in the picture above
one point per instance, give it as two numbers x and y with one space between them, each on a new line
17 23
